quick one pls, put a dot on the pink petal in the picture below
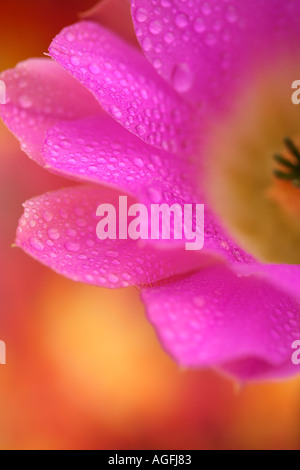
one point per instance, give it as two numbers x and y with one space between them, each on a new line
205 48
124 83
284 276
99 150
196 46
40 94
280 28
214 318
59 230
218 241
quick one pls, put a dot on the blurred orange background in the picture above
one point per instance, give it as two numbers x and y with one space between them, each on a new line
84 367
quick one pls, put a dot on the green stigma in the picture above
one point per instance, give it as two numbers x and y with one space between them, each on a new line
293 173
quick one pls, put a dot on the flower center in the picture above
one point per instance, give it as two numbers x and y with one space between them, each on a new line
291 162
286 182
253 169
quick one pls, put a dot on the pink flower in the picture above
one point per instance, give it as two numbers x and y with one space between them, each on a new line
195 116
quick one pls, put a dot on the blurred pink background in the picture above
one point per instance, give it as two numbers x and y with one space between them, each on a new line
84 367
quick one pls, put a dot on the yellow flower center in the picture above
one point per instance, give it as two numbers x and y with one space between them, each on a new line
254 172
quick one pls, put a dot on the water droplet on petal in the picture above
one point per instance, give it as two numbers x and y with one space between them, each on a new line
231 15
147 44
182 77
113 278
141 15
199 25
155 27
139 162
53 234
72 247
94 68
36 244
75 60
181 20
25 102
169 37
70 37
141 130
47 216
206 9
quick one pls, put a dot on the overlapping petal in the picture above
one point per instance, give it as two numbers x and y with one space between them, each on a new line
197 46
59 230
205 49
40 94
242 325
284 276
98 149
125 84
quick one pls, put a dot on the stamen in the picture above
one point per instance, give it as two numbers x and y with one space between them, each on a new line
292 148
294 175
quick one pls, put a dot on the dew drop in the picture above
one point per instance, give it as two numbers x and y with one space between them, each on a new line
70 37
116 112
138 162
141 130
181 20
113 278
36 244
206 9
147 44
94 68
47 216
72 247
199 25
71 232
182 77
169 37
93 169
75 60
157 63
155 27
231 15
25 102
141 15
53 234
